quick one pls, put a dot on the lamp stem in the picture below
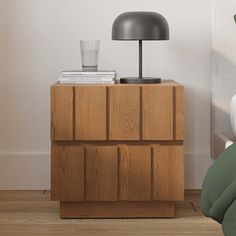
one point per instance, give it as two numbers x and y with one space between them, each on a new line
140 59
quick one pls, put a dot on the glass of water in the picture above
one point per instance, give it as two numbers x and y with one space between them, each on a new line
89 54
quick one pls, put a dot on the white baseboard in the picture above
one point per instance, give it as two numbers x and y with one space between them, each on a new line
31 171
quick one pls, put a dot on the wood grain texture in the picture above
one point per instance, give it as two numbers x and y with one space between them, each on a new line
168 173
67 173
101 174
135 173
24 213
116 209
90 113
157 115
125 147
163 83
119 142
62 113
124 113
179 112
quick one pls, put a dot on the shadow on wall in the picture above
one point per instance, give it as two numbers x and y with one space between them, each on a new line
222 89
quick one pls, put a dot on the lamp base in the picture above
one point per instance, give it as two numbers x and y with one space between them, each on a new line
143 80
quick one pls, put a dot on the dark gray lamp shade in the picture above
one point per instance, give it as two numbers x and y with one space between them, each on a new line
140 26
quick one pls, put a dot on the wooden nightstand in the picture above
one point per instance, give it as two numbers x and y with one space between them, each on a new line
117 150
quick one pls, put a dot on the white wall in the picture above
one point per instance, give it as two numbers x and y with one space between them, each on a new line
40 38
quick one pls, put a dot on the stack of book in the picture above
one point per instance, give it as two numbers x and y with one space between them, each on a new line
87 77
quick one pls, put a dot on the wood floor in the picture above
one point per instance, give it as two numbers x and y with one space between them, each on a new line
32 213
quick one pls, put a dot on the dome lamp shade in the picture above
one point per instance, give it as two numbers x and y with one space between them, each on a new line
140 26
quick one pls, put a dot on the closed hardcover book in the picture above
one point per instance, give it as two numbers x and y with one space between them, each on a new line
74 72
87 76
86 80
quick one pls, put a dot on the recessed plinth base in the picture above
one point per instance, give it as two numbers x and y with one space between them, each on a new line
144 80
70 210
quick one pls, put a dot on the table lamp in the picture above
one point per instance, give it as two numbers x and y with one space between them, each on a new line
140 26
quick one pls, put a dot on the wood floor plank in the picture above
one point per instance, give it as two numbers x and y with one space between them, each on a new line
27 213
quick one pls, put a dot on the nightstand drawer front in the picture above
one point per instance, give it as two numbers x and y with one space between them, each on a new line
101 173
157 113
135 173
123 172
124 113
67 173
90 113
168 173
99 113
62 113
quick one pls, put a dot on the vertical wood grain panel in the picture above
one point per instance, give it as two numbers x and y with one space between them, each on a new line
179 112
101 173
90 113
135 173
157 115
67 172
62 113
168 173
124 113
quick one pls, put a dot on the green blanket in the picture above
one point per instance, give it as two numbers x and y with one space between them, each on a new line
218 199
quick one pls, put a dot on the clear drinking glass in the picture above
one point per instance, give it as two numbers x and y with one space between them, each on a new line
89 54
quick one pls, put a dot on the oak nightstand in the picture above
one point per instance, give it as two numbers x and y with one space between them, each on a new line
117 150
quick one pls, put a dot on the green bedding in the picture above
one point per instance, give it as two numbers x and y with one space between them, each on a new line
218 199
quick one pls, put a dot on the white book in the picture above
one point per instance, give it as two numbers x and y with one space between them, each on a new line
87 77
87 82
75 80
88 72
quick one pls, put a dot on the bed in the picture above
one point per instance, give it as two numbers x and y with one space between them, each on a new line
218 200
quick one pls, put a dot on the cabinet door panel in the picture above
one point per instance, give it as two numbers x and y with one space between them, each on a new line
90 113
124 113
157 104
168 173
101 173
135 173
62 113
67 173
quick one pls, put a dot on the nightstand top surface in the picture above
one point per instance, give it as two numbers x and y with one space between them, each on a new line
163 83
